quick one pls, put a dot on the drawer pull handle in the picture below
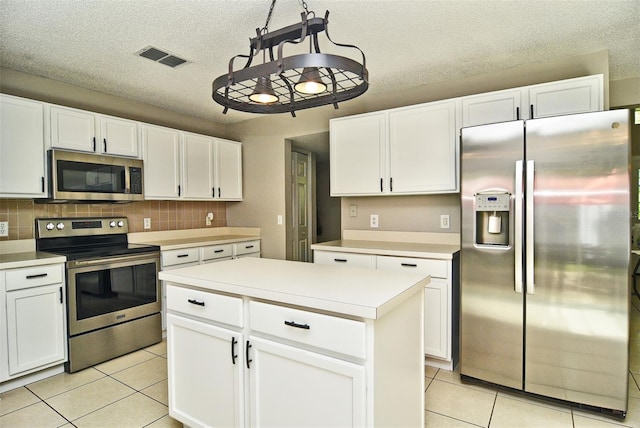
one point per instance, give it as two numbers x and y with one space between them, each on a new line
195 302
249 246
233 350
409 264
340 260
296 325
182 255
219 251
38 275
249 360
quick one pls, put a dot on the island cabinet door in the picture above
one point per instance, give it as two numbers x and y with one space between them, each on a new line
205 368
291 387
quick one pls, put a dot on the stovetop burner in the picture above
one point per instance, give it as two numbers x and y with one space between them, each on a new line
87 238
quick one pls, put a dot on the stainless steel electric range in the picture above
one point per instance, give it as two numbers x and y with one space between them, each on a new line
114 299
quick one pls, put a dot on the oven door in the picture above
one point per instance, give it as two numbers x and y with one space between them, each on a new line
111 291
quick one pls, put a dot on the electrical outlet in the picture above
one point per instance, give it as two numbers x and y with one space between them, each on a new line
208 218
353 211
147 223
373 220
444 221
4 228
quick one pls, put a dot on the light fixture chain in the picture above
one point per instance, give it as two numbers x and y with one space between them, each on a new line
265 29
304 6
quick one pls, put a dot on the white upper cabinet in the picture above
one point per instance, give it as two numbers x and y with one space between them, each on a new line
161 155
85 131
405 151
197 155
357 152
422 149
22 156
580 95
119 136
183 165
500 106
227 170
212 168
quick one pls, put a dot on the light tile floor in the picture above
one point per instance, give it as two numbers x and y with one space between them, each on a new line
131 391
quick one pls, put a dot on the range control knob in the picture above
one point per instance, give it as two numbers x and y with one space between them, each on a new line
50 226
121 223
60 226
112 223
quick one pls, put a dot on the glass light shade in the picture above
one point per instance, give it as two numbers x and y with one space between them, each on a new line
263 92
310 82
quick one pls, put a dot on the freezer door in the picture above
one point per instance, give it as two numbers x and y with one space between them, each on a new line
577 306
491 331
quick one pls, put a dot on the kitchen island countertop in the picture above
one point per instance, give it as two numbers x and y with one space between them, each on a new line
355 292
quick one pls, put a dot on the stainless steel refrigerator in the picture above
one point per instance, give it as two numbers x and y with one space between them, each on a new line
545 254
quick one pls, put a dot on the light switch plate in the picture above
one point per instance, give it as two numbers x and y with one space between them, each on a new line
4 228
353 211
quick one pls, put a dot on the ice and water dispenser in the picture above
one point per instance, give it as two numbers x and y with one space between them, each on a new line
492 218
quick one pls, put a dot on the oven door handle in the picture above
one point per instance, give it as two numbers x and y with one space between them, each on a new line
109 260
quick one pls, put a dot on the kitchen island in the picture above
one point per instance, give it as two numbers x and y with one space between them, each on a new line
262 342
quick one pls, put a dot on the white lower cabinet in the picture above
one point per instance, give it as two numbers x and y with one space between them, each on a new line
206 385
296 388
33 325
436 319
237 362
440 297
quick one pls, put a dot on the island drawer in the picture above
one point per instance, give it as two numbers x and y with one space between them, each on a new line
178 257
17 279
322 331
217 252
209 306
435 268
344 259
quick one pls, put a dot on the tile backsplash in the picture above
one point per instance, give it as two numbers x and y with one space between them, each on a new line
164 215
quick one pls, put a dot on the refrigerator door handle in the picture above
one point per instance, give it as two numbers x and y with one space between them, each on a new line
529 227
517 204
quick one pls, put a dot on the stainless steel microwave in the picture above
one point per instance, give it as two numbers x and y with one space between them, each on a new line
90 177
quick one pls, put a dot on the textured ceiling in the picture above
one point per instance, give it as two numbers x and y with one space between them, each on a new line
93 43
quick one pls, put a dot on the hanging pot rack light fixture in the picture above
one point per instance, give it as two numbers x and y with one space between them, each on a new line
286 84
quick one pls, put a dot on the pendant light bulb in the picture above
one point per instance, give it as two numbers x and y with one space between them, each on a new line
310 82
263 92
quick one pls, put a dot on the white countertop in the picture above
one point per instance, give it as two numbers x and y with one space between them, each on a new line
386 248
29 258
179 243
363 293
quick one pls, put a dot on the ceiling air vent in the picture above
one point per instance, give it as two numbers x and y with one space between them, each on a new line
163 57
